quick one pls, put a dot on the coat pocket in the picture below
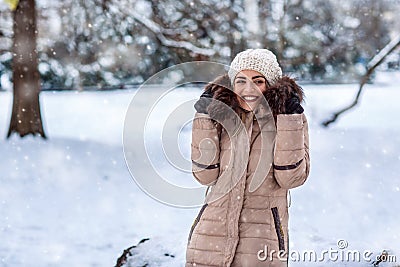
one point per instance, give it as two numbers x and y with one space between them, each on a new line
196 221
278 228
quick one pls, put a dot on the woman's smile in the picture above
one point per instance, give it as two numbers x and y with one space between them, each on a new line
250 98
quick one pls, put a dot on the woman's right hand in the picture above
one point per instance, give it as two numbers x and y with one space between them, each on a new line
205 99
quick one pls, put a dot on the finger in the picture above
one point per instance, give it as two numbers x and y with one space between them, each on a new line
198 106
292 104
299 109
295 99
207 94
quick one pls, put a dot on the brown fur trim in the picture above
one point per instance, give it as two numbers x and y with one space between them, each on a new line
222 91
276 95
280 92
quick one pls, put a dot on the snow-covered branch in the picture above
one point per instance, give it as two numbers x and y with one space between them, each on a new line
371 66
384 52
158 31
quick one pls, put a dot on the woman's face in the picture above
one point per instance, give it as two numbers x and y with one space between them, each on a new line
249 85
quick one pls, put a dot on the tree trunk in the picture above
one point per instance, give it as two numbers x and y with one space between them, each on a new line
236 45
26 117
281 32
264 9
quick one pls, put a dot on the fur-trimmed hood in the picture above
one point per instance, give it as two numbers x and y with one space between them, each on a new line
276 96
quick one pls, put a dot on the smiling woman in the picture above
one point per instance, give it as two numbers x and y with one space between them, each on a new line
236 141
249 86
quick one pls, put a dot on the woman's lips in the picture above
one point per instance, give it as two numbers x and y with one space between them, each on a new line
250 98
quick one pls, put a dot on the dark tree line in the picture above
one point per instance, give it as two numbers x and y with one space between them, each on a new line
314 39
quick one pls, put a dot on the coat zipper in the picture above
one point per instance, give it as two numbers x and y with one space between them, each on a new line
278 228
196 221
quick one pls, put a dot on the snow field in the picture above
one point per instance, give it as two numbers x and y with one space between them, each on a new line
70 200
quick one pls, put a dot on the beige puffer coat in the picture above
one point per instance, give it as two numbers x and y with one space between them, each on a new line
240 226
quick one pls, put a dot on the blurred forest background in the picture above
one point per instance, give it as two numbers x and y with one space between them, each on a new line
106 44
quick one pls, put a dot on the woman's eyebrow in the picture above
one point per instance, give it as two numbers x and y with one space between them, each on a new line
255 77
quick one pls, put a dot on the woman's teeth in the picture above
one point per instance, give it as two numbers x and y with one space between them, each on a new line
249 98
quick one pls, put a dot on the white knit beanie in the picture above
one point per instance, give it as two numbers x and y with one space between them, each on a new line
260 60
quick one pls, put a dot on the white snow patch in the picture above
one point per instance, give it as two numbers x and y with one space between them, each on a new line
70 201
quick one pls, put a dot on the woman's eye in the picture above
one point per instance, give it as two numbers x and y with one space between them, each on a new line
259 82
240 81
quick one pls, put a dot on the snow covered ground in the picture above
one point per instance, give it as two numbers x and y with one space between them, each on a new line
70 200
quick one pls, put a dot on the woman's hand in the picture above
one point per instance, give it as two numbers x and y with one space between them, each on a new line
292 105
205 99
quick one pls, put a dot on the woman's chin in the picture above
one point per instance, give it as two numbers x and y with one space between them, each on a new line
249 106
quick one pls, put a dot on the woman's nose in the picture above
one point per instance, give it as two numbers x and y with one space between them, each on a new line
250 86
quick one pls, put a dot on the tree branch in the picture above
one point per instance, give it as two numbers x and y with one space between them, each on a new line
159 32
371 66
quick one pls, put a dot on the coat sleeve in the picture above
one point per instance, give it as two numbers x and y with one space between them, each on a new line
291 159
205 149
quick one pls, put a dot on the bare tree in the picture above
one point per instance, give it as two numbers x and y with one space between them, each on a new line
372 65
282 29
264 12
26 118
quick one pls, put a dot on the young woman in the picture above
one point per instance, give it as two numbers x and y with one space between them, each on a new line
250 145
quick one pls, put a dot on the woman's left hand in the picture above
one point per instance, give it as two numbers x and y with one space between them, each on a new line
292 105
